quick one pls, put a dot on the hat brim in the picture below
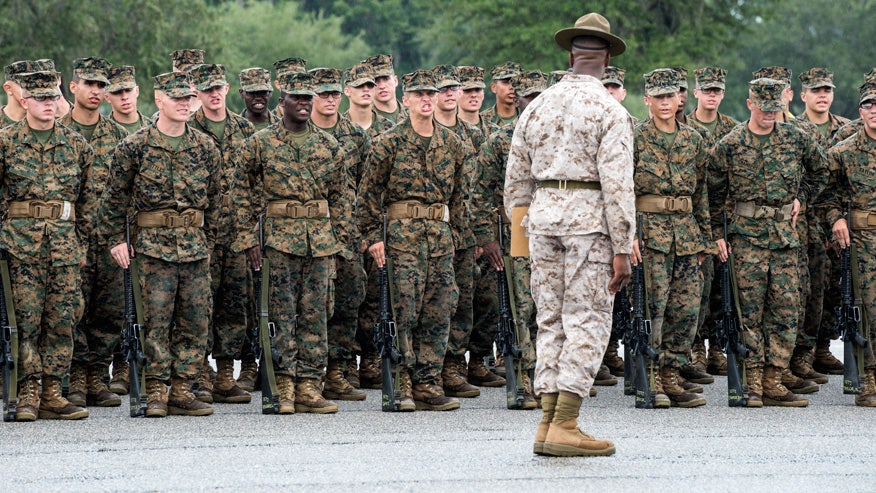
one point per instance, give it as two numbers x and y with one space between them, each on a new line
612 81
179 92
43 92
447 83
360 82
120 86
658 91
421 88
472 85
564 37
711 85
770 106
318 88
530 91
211 84
870 96
257 88
299 92
819 84
94 78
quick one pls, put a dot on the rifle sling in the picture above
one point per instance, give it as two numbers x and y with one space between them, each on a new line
864 328
264 332
10 318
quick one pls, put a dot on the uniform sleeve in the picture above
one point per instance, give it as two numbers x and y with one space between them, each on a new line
483 200
461 192
717 181
340 199
519 183
701 198
831 200
374 182
247 194
614 160
116 197
86 223
214 194
816 172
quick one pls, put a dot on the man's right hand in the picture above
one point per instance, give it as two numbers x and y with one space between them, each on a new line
621 266
494 255
378 253
121 256
724 250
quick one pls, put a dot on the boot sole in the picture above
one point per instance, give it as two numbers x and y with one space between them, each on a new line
243 399
468 394
605 383
557 450
425 406
773 403
72 416
684 405
828 371
538 448
119 390
301 408
805 390
25 417
498 383
153 413
109 403
343 397
177 411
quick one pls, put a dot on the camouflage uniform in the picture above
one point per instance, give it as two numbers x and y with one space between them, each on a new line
283 67
381 66
501 72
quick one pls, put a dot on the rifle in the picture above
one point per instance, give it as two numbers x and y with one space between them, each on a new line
8 343
506 334
385 338
728 330
131 341
262 339
620 328
849 317
640 331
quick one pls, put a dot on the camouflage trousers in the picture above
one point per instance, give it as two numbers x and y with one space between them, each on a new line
674 299
368 310
349 288
865 244
426 296
231 287
177 305
485 311
823 297
710 301
768 297
527 328
462 321
570 276
299 286
48 303
97 333
804 291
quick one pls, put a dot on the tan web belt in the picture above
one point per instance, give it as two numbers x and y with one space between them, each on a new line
169 218
60 210
662 204
754 211
862 220
294 209
412 209
569 184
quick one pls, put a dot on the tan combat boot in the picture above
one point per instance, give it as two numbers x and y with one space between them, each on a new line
796 384
183 402
98 393
351 373
754 379
716 362
369 371
78 380
480 375
453 380
286 389
802 367
249 373
695 374
308 398
337 387
612 359
549 403
604 378
156 398
867 397
564 439
28 400
660 399
698 356
204 390
776 394
53 406
405 386
430 397
225 388
825 362
678 397
528 399
120 382
689 386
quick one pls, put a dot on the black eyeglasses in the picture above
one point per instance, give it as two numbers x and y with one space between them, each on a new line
329 95
867 105
43 99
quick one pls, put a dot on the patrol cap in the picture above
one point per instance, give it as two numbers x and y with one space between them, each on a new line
529 82
867 90
682 77
556 76
661 81
207 76
419 80
44 65
326 79
20 67
39 84
445 76
381 65
183 60
120 77
591 24
766 94
774 72
710 78
613 75
816 77
470 77
291 64
870 75
174 84
359 74
91 68
255 79
505 71
296 83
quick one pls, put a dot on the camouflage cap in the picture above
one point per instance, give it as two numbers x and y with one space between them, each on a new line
556 76
766 94
20 67
470 77
419 80
39 84
867 90
445 76
381 65
710 78
613 75
208 75
326 79
174 84
505 70
44 65
661 81
91 68
682 77
255 79
816 77
120 77
870 75
296 83
359 74
183 60
774 72
291 64
529 82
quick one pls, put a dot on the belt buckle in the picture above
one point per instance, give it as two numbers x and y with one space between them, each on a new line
312 210
871 219
669 204
171 220
562 184
187 218
414 211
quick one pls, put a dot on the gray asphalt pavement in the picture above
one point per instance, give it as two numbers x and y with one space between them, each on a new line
829 446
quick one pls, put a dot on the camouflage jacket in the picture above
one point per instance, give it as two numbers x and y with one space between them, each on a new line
104 140
575 130
60 169
487 195
490 116
808 223
5 121
283 170
272 117
142 119
676 171
836 122
852 165
847 130
790 165
399 117
473 138
237 130
147 174
724 126
402 169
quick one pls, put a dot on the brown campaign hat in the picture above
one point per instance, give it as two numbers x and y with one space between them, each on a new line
174 84
183 60
255 79
39 84
419 80
207 76
595 25
120 77
326 79
766 94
